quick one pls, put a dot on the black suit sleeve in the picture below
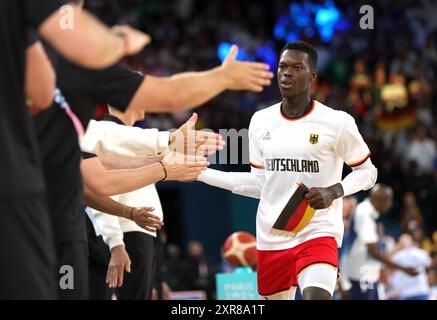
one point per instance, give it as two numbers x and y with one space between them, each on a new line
39 10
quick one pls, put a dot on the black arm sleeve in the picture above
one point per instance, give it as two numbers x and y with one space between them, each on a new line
116 85
37 11
31 37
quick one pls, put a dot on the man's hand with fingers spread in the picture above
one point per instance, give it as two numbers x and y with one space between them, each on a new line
146 219
243 75
119 262
189 141
321 198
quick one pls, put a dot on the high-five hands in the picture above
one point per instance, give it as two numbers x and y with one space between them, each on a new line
189 141
183 168
244 75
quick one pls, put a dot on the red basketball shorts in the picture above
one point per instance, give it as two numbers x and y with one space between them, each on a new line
278 270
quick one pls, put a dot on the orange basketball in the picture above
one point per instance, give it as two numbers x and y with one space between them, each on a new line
239 249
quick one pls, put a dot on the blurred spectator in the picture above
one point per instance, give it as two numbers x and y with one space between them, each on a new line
175 278
198 270
410 214
363 263
422 150
402 285
349 207
161 289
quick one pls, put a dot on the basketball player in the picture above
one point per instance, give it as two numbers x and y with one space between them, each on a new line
294 142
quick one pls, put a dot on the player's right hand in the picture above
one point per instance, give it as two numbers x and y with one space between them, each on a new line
119 262
243 75
135 39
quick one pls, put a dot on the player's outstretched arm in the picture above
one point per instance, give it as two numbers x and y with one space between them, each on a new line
247 184
191 89
107 183
112 162
109 138
88 42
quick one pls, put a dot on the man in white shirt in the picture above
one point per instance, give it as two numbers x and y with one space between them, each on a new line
422 150
294 142
133 246
402 285
362 264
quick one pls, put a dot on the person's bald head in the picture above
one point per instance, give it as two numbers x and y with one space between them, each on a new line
381 197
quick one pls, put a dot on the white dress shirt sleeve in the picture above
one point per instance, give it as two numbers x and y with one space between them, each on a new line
107 137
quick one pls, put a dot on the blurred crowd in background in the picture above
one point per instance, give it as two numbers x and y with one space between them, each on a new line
385 78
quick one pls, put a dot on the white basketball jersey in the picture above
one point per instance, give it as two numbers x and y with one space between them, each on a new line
310 149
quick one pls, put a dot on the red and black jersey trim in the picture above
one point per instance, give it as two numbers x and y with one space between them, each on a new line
359 162
302 116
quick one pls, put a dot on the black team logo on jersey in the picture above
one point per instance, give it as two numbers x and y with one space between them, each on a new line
314 138
295 216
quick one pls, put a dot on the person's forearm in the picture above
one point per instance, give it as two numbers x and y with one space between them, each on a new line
104 204
122 162
115 182
373 250
109 138
362 177
243 183
89 43
181 91
199 87
40 77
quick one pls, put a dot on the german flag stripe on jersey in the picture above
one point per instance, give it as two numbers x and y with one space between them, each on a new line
296 214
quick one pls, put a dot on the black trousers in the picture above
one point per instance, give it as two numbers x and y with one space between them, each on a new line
137 285
72 270
98 262
27 253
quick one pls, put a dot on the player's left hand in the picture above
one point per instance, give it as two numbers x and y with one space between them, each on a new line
321 198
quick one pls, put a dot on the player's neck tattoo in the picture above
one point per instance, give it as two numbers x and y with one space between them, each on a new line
296 107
